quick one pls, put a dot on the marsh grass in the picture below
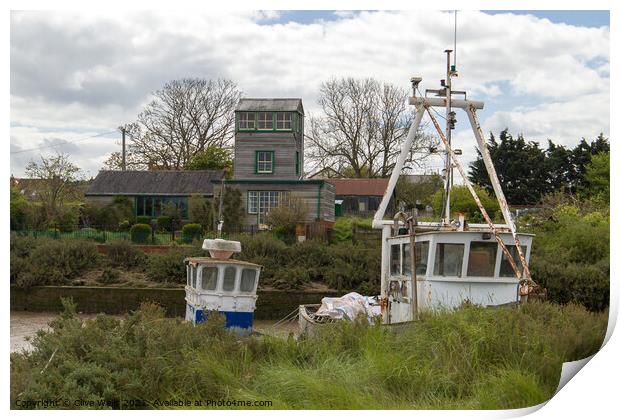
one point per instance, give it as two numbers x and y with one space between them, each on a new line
469 358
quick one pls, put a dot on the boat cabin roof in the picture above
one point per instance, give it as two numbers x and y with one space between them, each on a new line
214 261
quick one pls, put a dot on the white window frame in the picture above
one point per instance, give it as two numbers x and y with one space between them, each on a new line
269 199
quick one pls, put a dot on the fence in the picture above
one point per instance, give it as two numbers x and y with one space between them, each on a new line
161 237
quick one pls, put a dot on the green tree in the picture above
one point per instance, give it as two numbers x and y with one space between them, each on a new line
461 201
412 194
520 167
232 209
200 211
58 180
596 177
213 157
19 209
527 172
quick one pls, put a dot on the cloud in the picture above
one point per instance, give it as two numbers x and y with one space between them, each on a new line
90 72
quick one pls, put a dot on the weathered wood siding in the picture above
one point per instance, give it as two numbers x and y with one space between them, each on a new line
284 145
309 192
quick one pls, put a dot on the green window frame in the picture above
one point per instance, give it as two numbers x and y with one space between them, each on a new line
153 206
264 122
284 121
265 162
247 121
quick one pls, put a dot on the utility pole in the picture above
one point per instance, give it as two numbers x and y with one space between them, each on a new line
123 163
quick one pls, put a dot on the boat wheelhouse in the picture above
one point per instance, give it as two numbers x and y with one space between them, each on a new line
451 267
223 285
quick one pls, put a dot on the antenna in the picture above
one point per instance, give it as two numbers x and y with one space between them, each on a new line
455 12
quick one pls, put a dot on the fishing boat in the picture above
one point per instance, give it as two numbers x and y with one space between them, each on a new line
220 284
434 265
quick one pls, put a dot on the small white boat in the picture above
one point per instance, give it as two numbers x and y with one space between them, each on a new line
221 284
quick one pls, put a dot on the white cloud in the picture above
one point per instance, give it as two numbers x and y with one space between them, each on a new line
92 72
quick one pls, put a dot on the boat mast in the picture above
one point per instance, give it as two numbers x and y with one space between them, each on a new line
448 167
450 121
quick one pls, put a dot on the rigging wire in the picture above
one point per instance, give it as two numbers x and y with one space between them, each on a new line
63 143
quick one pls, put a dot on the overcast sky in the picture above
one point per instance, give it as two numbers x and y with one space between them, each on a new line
77 75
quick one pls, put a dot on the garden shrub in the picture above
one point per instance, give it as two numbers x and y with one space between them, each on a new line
571 256
110 276
51 261
140 233
144 220
191 232
164 223
124 253
167 267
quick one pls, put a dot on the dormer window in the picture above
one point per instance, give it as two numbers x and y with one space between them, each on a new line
265 121
283 120
246 121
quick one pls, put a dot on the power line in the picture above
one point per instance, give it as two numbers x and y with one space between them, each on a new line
63 143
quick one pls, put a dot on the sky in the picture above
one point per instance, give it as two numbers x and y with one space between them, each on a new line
77 76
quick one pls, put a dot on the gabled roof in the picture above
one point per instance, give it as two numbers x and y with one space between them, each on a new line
154 182
270 104
360 186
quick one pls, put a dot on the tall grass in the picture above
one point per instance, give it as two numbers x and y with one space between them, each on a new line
470 358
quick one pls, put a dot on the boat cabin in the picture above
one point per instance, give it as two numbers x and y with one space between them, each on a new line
223 285
451 267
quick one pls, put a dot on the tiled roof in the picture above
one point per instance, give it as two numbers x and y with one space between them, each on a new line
360 186
154 182
270 104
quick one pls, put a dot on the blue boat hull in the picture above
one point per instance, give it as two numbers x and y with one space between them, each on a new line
243 320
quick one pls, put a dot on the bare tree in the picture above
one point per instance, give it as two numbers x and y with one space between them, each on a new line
185 117
363 126
58 179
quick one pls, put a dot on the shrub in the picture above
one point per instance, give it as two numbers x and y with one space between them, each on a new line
124 225
123 253
110 276
66 218
167 267
164 223
51 261
200 211
191 232
140 233
144 220
462 201
285 217
571 255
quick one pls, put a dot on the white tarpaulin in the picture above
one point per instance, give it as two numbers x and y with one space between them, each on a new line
349 307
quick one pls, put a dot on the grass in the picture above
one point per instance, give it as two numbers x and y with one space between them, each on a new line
470 358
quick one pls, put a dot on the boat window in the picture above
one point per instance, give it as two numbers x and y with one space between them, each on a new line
505 269
449 260
248 279
209 278
421 258
194 271
395 260
188 269
482 259
229 279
